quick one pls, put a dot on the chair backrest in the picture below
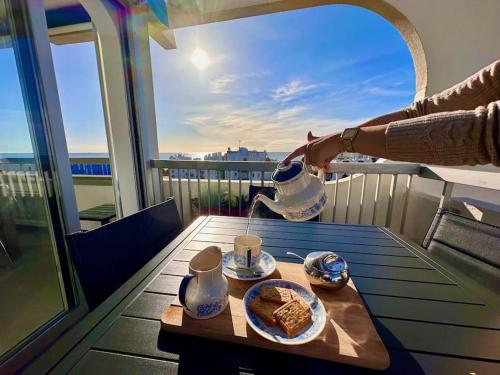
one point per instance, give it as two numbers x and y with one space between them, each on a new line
467 244
108 256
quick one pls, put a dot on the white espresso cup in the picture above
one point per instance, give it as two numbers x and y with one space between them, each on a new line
247 250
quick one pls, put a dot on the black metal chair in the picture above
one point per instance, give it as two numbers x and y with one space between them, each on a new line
466 244
108 256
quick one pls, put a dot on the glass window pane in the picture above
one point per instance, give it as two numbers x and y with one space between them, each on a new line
31 291
75 65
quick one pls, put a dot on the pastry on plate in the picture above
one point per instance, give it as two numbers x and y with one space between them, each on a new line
264 310
276 294
293 317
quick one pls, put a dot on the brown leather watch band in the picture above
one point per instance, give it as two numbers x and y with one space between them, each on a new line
347 137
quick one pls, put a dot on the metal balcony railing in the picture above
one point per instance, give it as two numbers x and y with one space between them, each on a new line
190 176
359 193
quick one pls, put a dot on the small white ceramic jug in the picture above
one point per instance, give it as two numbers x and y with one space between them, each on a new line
300 195
204 292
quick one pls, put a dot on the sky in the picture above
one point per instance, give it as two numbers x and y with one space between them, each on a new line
261 82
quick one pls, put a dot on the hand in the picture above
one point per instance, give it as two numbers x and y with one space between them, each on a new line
319 151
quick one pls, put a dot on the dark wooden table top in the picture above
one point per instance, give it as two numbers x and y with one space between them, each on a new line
428 321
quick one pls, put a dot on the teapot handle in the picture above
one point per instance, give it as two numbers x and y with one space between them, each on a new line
183 288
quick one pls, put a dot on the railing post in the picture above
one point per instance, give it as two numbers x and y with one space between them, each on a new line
190 196
229 192
322 177
2 184
162 190
28 180
179 183
445 200
198 171
11 183
170 188
239 192
218 190
377 193
390 206
347 200
335 196
209 190
405 206
361 201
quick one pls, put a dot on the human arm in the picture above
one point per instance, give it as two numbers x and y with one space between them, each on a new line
477 90
320 151
449 138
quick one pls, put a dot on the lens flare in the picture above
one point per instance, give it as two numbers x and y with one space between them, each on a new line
200 58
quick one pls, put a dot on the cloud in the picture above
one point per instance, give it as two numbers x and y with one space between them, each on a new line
382 91
292 90
258 126
290 112
222 84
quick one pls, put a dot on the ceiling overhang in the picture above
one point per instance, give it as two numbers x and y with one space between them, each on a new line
69 23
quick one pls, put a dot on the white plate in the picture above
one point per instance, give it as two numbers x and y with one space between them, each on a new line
267 265
275 333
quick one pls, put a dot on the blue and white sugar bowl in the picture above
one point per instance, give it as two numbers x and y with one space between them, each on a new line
204 291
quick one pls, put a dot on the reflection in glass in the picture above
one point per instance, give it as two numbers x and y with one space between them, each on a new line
31 292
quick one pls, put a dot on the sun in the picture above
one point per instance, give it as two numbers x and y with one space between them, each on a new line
200 58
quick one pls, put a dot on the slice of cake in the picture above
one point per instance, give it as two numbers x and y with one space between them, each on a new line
264 310
276 294
293 317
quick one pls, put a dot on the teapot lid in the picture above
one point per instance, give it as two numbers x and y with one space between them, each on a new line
285 172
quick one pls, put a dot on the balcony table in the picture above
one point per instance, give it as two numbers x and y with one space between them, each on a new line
428 322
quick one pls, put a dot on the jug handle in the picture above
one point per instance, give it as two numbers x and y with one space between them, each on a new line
183 288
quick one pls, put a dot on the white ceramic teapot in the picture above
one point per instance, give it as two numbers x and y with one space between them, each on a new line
300 196
204 292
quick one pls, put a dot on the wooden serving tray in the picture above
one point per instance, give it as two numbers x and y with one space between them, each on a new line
349 335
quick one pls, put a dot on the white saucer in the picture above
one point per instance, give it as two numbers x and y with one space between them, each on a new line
267 265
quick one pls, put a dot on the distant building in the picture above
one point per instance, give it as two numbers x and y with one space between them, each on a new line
184 173
354 157
244 154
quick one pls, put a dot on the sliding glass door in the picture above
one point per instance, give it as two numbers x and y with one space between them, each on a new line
35 282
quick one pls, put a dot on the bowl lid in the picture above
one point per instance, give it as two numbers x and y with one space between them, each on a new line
326 261
285 172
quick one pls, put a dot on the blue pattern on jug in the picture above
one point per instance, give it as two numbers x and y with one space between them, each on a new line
208 309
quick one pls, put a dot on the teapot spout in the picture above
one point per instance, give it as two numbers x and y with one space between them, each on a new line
271 204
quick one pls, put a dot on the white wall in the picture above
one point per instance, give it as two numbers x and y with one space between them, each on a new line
459 37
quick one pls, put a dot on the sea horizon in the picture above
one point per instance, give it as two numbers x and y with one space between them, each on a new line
274 155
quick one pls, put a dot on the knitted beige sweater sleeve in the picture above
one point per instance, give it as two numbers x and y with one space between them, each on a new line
458 126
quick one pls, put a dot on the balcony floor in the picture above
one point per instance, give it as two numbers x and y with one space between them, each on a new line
428 322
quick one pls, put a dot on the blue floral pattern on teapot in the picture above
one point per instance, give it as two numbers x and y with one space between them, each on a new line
299 196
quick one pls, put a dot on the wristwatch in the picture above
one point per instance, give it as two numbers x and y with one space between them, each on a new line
347 137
